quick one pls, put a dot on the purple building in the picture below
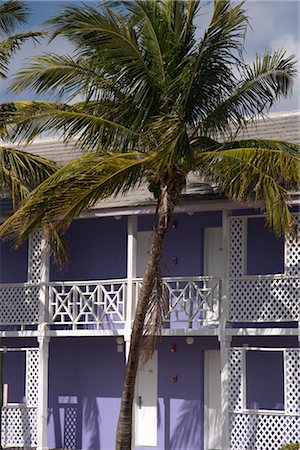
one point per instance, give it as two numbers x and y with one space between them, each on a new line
226 372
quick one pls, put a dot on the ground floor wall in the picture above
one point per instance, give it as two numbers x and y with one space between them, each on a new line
85 385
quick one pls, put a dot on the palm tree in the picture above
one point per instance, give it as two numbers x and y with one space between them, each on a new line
20 171
157 103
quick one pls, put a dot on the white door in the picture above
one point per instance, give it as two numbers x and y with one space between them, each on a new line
212 400
146 382
146 404
213 252
214 267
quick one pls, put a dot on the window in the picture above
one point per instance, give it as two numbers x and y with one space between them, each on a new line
265 251
14 375
264 380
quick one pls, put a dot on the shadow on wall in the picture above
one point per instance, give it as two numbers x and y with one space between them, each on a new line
187 431
68 416
92 422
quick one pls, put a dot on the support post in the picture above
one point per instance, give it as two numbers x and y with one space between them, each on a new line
224 351
223 338
42 413
131 273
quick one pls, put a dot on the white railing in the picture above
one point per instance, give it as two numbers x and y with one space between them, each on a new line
263 431
264 298
189 300
19 304
85 304
19 426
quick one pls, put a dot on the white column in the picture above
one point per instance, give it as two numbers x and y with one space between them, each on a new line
39 268
224 346
223 339
42 410
131 274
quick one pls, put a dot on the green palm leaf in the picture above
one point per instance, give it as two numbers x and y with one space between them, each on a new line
20 172
74 188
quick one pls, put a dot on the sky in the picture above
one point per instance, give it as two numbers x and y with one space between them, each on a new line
273 24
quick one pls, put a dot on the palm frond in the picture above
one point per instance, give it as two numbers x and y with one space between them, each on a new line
29 119
261 86
208 76
12 14
74 188
20 172
64 75
10 45
257 174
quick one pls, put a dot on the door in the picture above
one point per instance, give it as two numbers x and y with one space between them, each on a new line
212 400
147 375
146 404
214 267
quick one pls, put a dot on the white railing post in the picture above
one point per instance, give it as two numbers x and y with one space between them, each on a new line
42 413
131 274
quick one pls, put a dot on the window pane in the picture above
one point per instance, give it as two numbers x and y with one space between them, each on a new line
265 252
264 380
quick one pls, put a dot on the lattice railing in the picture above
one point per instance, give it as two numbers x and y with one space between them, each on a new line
19 426
264 298
19 304
190 300
262 431
88 303
19 421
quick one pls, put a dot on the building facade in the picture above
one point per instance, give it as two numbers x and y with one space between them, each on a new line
226 372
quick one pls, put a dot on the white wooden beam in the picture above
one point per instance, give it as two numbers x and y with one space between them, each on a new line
42 416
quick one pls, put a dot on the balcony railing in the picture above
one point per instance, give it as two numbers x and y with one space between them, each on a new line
189 302
264 298
96 304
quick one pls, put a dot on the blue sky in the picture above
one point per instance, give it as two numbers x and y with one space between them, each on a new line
274 24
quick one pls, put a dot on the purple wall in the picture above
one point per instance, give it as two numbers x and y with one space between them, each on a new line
184 241
180 404
13 263
97 250
86 377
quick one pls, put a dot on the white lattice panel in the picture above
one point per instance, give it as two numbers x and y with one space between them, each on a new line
237 246
262 432
235 380
19 426
35 258
292 381
19 305
292 253
264 299
87 304
32 376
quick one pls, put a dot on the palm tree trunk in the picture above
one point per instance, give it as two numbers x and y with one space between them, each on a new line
169 194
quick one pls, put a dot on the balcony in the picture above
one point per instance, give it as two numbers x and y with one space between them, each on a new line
188 303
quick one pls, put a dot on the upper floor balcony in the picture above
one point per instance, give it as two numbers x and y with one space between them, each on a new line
228 270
